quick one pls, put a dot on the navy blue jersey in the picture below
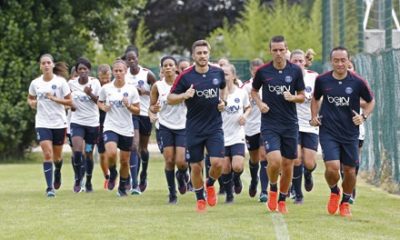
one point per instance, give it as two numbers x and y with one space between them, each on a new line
282 114
202 115
340 97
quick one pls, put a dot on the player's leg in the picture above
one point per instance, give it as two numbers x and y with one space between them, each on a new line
111 140
58 143
45 138
145 127
124 145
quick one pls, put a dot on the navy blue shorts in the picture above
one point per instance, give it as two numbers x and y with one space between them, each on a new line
159 143
57 136
308 140
89 134
124 143
100 141
347 153
235 150
135 121
145 126
172 138
214 143
254 142
284 140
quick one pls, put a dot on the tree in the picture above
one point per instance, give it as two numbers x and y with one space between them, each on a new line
30 28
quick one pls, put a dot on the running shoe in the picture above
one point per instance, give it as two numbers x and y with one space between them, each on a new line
211 196
344 210
201 206
282 207
272 201
333 203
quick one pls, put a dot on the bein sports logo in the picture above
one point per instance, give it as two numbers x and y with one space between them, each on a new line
208 93
232 109
339 101
278 89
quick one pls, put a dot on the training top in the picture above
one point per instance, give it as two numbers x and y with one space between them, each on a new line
253 122
282 114
237 101
49 114
140 81
170 116
202 115
304 109
86 111
340 97
118 118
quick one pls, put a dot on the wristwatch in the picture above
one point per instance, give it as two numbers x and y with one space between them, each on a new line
364 117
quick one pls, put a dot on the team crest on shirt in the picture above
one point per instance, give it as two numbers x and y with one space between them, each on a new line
348 90
140 83
53 86
237 100
215 81
288 79
308 89
125 94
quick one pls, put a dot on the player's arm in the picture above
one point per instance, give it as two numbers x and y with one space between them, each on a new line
32 101
298 98
66 101
368 108
264 108
176 98
154 104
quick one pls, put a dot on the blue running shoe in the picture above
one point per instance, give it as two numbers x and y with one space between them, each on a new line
50 193
263 197
121 193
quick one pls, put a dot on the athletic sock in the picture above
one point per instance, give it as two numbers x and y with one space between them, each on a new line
296 181
335 189
199 193
134 168
227 181
345 197
282 196
253 171
122 183
89 169
210 181
144 155
208 165
77 165
169 174
273 187
58 165
48 174
264 177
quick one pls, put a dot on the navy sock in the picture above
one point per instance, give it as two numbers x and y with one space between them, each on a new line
89 169
134 167
253 171
199 193
282 197
296 181
58 165
48 173
144 155
273 187
77 165
227 181
122 183
345 198
113 172
335 189
264 177
208 165
236 176
210 181
169 174
309 171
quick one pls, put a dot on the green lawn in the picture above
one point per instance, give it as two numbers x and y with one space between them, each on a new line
25 212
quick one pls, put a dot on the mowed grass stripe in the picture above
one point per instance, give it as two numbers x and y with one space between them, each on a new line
25 212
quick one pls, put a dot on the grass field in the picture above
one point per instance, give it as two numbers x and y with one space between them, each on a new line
25 212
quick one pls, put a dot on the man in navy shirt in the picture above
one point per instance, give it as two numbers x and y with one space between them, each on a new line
339 119
202 88
282 87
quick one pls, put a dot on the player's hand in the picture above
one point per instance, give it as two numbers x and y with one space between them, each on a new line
221 105
32 103
242 120
50 96
288 96
106 108
73 108
141 91
156 107
263 107
190 92
357 118
316 121
153 117
88 90
125 101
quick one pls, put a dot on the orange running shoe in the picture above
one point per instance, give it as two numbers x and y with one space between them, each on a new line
201 206
282 207
211 196
272 201
333 203
105 185
345 210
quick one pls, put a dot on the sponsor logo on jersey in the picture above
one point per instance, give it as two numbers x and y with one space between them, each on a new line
339 101
207 93
288 79
116 103
348 90
232 109
278 89
308 89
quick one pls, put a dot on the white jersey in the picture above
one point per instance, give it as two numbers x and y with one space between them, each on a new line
86 112
361 136
304 109
170 116
140 81
253 122
49 114
236 103
119 118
